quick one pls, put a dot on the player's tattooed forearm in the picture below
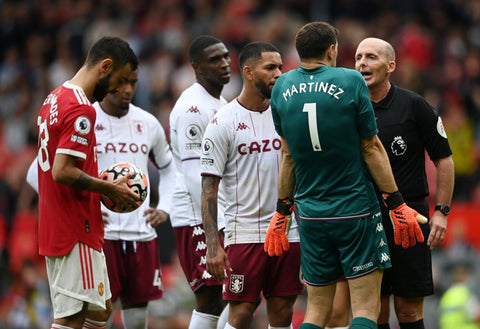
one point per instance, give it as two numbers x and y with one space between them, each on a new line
83 182
209 212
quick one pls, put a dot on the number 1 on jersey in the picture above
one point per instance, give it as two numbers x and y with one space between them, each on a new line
311 109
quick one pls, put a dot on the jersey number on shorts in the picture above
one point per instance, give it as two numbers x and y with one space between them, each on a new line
311 109
42 149
157 280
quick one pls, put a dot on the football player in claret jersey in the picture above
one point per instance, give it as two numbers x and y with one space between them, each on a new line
193 110
70 222
242 149
127 133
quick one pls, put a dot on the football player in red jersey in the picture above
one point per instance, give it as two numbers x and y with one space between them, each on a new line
70 222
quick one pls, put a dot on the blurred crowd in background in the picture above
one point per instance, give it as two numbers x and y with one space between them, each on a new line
44 42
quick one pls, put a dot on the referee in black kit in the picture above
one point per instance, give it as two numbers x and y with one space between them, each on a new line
408 125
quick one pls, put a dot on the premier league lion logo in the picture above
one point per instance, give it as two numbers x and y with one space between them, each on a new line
399 147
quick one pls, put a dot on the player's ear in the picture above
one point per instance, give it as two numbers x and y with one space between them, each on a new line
247 72
106 66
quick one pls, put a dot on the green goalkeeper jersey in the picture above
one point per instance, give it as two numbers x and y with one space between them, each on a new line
323 113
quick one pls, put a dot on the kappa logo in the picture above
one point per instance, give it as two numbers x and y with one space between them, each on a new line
382 243
242 126
193 109
206 275
201 246
379 227
236 283
193 282
197 230
398 146
99 127
214 121
385 257
203 260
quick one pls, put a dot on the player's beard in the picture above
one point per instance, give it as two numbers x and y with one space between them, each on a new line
264 89
101 88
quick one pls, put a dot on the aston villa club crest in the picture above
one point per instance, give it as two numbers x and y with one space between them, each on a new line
236 283
139 128
398 146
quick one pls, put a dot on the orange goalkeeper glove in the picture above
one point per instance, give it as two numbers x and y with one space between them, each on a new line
404 219
276 241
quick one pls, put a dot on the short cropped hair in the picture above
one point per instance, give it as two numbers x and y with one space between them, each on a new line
114 48
198 45
254 50
313 39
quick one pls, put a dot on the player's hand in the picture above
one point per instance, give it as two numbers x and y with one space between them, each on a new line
155 217
218 263
122 195
276 241
438 230
405 221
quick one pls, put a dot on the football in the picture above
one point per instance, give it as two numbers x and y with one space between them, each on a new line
138 183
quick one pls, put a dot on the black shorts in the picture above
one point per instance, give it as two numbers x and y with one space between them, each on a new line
411 271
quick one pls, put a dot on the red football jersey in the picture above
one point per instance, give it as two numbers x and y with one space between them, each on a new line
66 214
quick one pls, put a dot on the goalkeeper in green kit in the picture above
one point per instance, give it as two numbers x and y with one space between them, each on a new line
330 153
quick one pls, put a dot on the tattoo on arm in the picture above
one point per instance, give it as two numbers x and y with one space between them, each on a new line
209 212
83 182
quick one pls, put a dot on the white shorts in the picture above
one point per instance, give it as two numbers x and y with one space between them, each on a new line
81 276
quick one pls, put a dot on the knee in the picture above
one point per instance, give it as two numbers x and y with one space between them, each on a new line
408 309
241 316
209 300
280 311
102 315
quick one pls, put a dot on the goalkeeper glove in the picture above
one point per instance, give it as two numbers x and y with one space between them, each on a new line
276 241
404 219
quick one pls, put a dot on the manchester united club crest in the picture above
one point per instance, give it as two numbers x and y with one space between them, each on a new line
398 146
236 283
101 289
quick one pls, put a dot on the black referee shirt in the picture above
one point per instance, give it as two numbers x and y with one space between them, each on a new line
408 126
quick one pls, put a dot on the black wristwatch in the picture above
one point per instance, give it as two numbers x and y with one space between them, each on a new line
444 208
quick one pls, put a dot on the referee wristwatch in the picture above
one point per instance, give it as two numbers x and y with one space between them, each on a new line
444 208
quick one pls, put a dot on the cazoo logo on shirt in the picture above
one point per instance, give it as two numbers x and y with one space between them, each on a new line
122 147
265 145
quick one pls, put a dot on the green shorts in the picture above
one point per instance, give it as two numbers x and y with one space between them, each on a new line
349 247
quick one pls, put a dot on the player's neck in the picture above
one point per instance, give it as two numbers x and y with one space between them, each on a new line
214 90
313 63
111 110
380 92
253 101
85 80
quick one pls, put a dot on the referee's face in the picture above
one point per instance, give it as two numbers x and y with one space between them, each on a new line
371 62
